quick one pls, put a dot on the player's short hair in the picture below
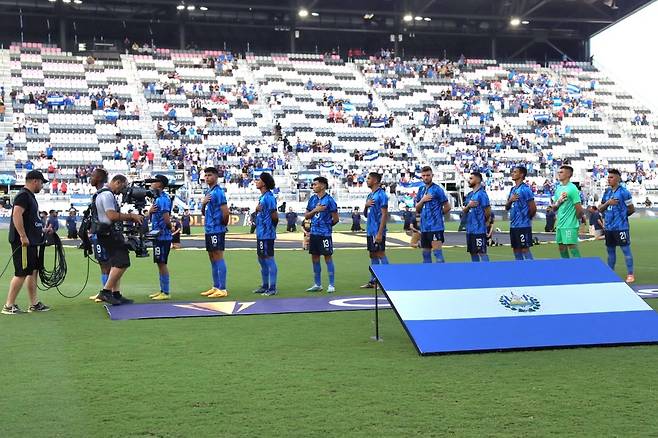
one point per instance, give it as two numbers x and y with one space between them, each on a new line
268 180
103 174
120 179
614 172
212 170
477 174
377 176
426 169
523 170
569 168
322 180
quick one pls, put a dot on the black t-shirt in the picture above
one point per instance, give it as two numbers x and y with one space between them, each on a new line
31 220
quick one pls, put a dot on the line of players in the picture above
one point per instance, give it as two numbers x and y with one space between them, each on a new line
431 204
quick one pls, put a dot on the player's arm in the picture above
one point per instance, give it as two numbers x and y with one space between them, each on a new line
487 214
17 217
446 207
532 208
334 218
604 205
630 208
577 203
275 216
382 223
225 214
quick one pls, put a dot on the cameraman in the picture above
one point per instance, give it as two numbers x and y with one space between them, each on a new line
109 232
160 213
25 234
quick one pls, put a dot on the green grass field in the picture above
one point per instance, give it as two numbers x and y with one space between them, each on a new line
72 372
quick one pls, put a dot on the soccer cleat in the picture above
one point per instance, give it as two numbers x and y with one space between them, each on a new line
154 294
331 289
94 298
630 278
38 307
261 290
209 292
109 298
161 297
219 293
368 285
122 299
314 288
11 310
269 293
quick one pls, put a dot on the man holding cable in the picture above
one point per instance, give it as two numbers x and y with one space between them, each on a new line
25 235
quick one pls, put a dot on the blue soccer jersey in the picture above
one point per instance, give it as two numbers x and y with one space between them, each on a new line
616 216
157 219
375 211
431 215
518 213
213 211
475 220
321 222
265 229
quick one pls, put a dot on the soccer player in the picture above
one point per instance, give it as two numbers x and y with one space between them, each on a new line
522 208
323 213
160 213
267 217
376 211
215 210
477 211
569 210
617 206
431 203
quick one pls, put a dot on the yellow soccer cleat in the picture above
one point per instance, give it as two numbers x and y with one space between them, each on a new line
161 296
209 292
219 294
154 294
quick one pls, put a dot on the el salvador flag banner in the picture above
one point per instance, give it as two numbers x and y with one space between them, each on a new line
557 102
378 124
542 117
573 89
371 155
459 307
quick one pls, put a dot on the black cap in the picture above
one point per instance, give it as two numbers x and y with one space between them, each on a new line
35 174
159 178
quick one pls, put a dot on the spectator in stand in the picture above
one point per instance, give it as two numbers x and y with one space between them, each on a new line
49 152
51 169
117 153
149 157
55 186
63 187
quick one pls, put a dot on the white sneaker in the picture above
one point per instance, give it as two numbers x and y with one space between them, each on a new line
331 289
314 288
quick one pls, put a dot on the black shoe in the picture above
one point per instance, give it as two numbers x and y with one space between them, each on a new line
106 295
11 310
38 307
121 298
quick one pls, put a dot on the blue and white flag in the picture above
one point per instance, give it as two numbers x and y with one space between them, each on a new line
557 102
542 117
573 89
378 124
526 89
514 305
371 155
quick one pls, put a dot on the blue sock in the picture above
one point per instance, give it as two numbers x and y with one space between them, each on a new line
330 270
164 283
612 256
264 272
373 261
427 256
484 258
475 258
438 255
528 255
383 260
273 270
104 279
518 255
317 270
215 274
221 272
629 258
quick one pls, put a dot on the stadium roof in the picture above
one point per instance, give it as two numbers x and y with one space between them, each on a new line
506 28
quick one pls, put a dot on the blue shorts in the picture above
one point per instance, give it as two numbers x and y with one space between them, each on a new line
520 237
215 242
476 243
265 247
374 246
427 237
320 245
100 253
161 251
617 238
